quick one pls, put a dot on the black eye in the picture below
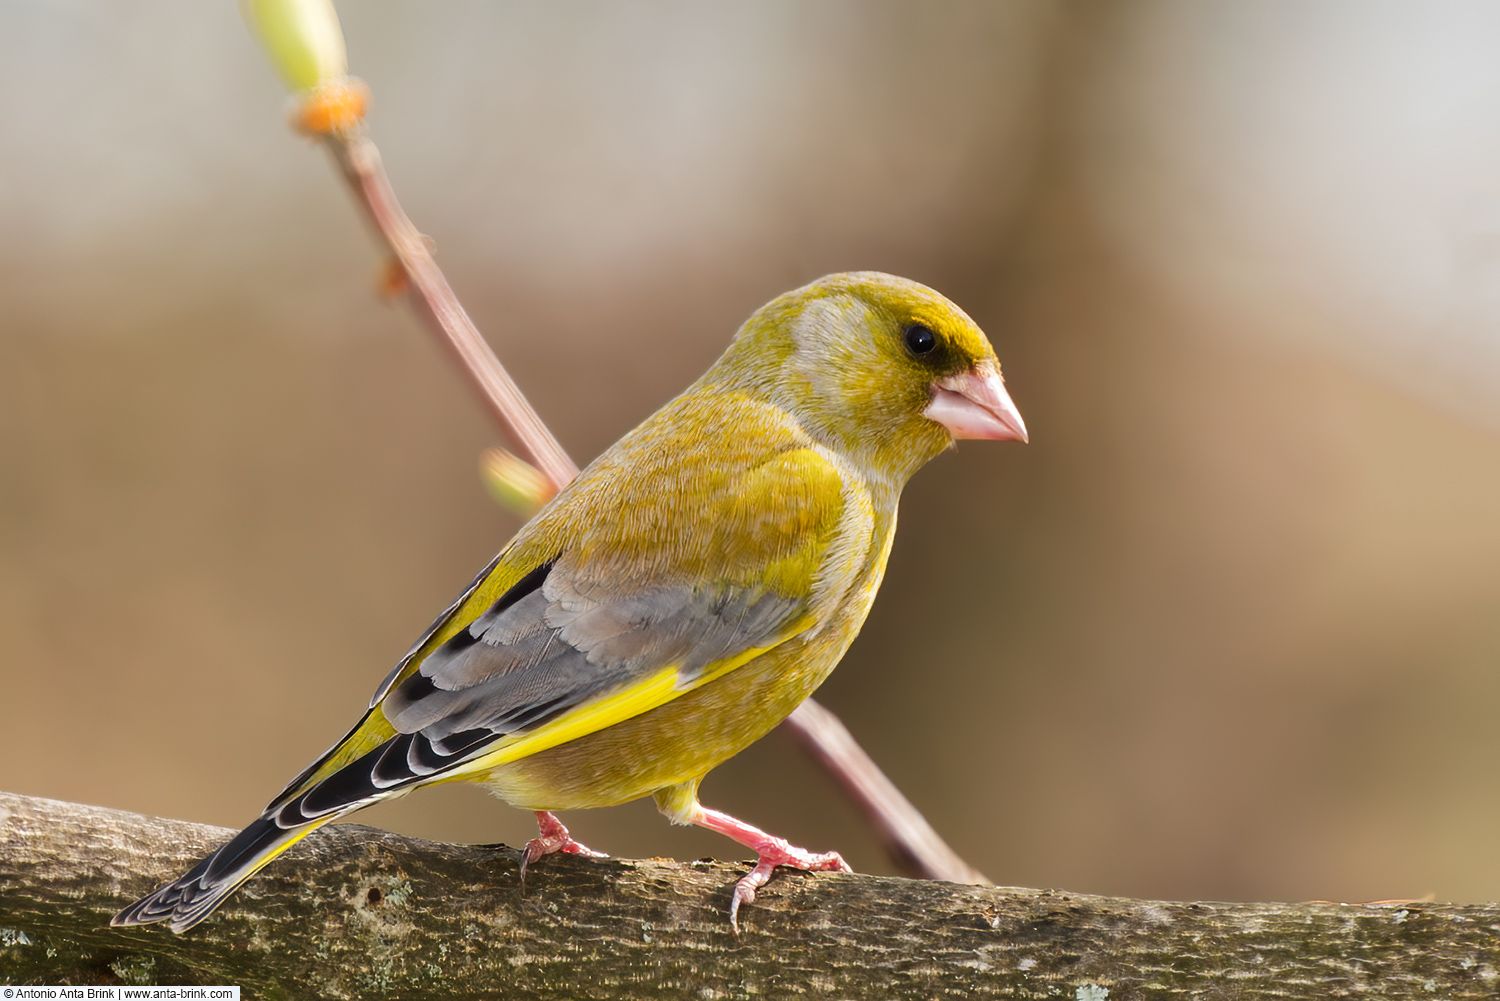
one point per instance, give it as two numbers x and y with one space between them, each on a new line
920 340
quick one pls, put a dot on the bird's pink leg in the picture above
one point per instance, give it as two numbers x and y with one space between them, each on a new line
551 837
680 804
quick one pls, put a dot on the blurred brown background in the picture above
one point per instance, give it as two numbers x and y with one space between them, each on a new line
1228 628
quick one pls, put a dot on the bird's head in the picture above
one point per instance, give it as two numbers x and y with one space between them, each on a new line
884 369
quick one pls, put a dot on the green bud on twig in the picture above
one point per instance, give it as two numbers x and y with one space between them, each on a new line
302 37
513 482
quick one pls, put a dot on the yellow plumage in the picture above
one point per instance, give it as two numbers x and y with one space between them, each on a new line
676 601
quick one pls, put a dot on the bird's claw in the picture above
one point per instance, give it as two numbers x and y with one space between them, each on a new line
797 858
552 838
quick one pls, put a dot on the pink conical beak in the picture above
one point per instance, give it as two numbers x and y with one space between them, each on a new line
974 404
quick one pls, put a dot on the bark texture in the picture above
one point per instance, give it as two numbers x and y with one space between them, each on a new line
353 912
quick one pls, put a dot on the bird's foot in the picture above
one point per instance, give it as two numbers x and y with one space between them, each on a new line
774 852
552 837
680 804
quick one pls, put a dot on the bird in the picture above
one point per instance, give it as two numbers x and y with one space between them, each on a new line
674 602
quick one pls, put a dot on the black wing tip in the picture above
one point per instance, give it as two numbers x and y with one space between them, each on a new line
195 894
136 914
174 904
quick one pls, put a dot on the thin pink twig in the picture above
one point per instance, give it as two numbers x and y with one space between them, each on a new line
909 839
435 303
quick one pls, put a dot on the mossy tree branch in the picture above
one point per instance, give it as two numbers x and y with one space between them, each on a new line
354 912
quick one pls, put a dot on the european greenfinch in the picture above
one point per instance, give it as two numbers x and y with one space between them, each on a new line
674 602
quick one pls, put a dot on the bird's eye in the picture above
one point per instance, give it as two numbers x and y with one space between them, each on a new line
920 340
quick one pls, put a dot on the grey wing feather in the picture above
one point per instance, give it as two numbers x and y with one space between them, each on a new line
437 623
532 658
